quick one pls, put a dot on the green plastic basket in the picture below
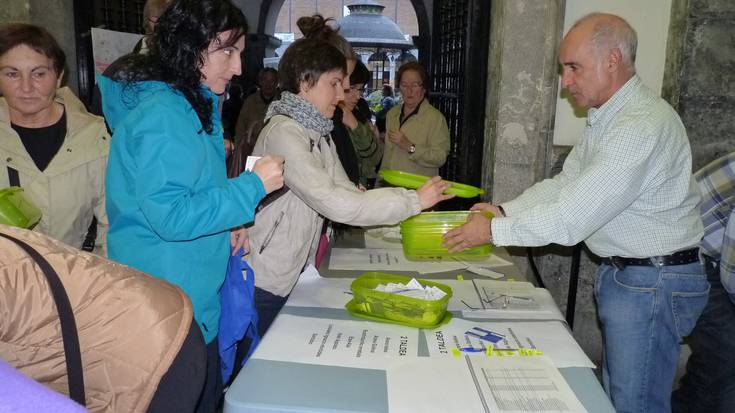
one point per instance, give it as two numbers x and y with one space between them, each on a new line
422 236
16 209
393 308
413 181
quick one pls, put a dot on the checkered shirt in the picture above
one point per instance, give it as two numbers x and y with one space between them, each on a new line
626 189
717 183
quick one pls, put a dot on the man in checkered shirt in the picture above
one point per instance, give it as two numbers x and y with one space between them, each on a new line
709 382
626 190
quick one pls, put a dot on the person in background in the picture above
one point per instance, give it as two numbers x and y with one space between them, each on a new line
626 190
51 145
360 128
286 230
709 382
417 136
173 212
252 113
386 103
152 11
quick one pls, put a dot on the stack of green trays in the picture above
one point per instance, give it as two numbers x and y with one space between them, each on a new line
422 236
394 308
16 209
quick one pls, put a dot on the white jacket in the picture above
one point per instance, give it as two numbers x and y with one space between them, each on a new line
287 230
70 191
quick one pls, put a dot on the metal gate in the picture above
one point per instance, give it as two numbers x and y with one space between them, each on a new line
460 41
119 15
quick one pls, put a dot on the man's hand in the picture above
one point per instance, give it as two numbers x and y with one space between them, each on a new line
239 239
484 206
474 233
270 171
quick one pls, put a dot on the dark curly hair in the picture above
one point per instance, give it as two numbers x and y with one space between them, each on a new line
180 40
306 60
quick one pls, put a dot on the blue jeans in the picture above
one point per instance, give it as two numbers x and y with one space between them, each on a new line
709 383
645 312
268 306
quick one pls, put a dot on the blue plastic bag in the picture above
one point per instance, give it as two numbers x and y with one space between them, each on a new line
238 318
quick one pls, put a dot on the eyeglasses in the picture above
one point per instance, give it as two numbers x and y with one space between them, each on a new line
414 85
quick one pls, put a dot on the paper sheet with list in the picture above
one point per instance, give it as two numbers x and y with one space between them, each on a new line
551 337
480 384
344 343
386 259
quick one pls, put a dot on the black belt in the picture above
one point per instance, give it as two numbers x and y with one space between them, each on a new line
678 258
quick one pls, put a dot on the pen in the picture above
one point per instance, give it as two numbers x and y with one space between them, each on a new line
270 233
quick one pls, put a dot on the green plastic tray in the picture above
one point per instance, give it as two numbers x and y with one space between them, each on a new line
16 209
394 308
357 310
422 236
413 181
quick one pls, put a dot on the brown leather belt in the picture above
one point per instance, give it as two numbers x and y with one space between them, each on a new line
678 258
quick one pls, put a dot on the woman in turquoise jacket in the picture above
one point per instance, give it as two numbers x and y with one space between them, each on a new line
170 204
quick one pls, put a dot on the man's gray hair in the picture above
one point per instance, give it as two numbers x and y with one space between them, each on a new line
610 31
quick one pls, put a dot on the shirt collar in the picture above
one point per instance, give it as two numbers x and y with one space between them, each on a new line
615 103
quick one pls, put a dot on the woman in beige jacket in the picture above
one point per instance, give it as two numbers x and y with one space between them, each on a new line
50 145
284 236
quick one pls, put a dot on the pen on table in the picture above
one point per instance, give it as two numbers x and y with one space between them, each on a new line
270 233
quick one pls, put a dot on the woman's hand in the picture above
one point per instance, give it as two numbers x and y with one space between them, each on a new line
270 171
431 192
239 239
400 139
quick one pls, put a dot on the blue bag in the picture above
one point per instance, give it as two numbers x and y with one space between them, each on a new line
238 318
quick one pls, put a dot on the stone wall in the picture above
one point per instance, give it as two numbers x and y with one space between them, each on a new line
700 80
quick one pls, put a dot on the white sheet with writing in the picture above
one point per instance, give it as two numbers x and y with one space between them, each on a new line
551 337
345 343
479 384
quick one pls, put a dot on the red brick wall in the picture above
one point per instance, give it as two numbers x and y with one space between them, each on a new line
401 11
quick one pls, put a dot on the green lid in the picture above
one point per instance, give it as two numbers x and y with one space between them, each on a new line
414 181
16 209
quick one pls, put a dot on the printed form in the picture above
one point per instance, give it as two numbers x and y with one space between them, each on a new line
480 384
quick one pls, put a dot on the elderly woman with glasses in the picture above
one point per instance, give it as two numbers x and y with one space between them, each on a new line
417 137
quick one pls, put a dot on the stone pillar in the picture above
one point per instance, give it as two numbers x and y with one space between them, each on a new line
521 99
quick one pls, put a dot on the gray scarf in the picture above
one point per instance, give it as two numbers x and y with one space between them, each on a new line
300 110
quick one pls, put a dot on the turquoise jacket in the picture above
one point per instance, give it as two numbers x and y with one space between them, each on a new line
169 201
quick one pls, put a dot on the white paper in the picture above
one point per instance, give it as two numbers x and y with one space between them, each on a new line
250 162
508 300
382 259
313 290
551 337
344 343
479 384
109 45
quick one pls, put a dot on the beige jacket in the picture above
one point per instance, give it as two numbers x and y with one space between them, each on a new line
428 131
70 191
131 326
285 233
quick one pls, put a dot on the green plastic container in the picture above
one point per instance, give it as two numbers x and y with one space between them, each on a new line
413 181
16 209
393 308
422 236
